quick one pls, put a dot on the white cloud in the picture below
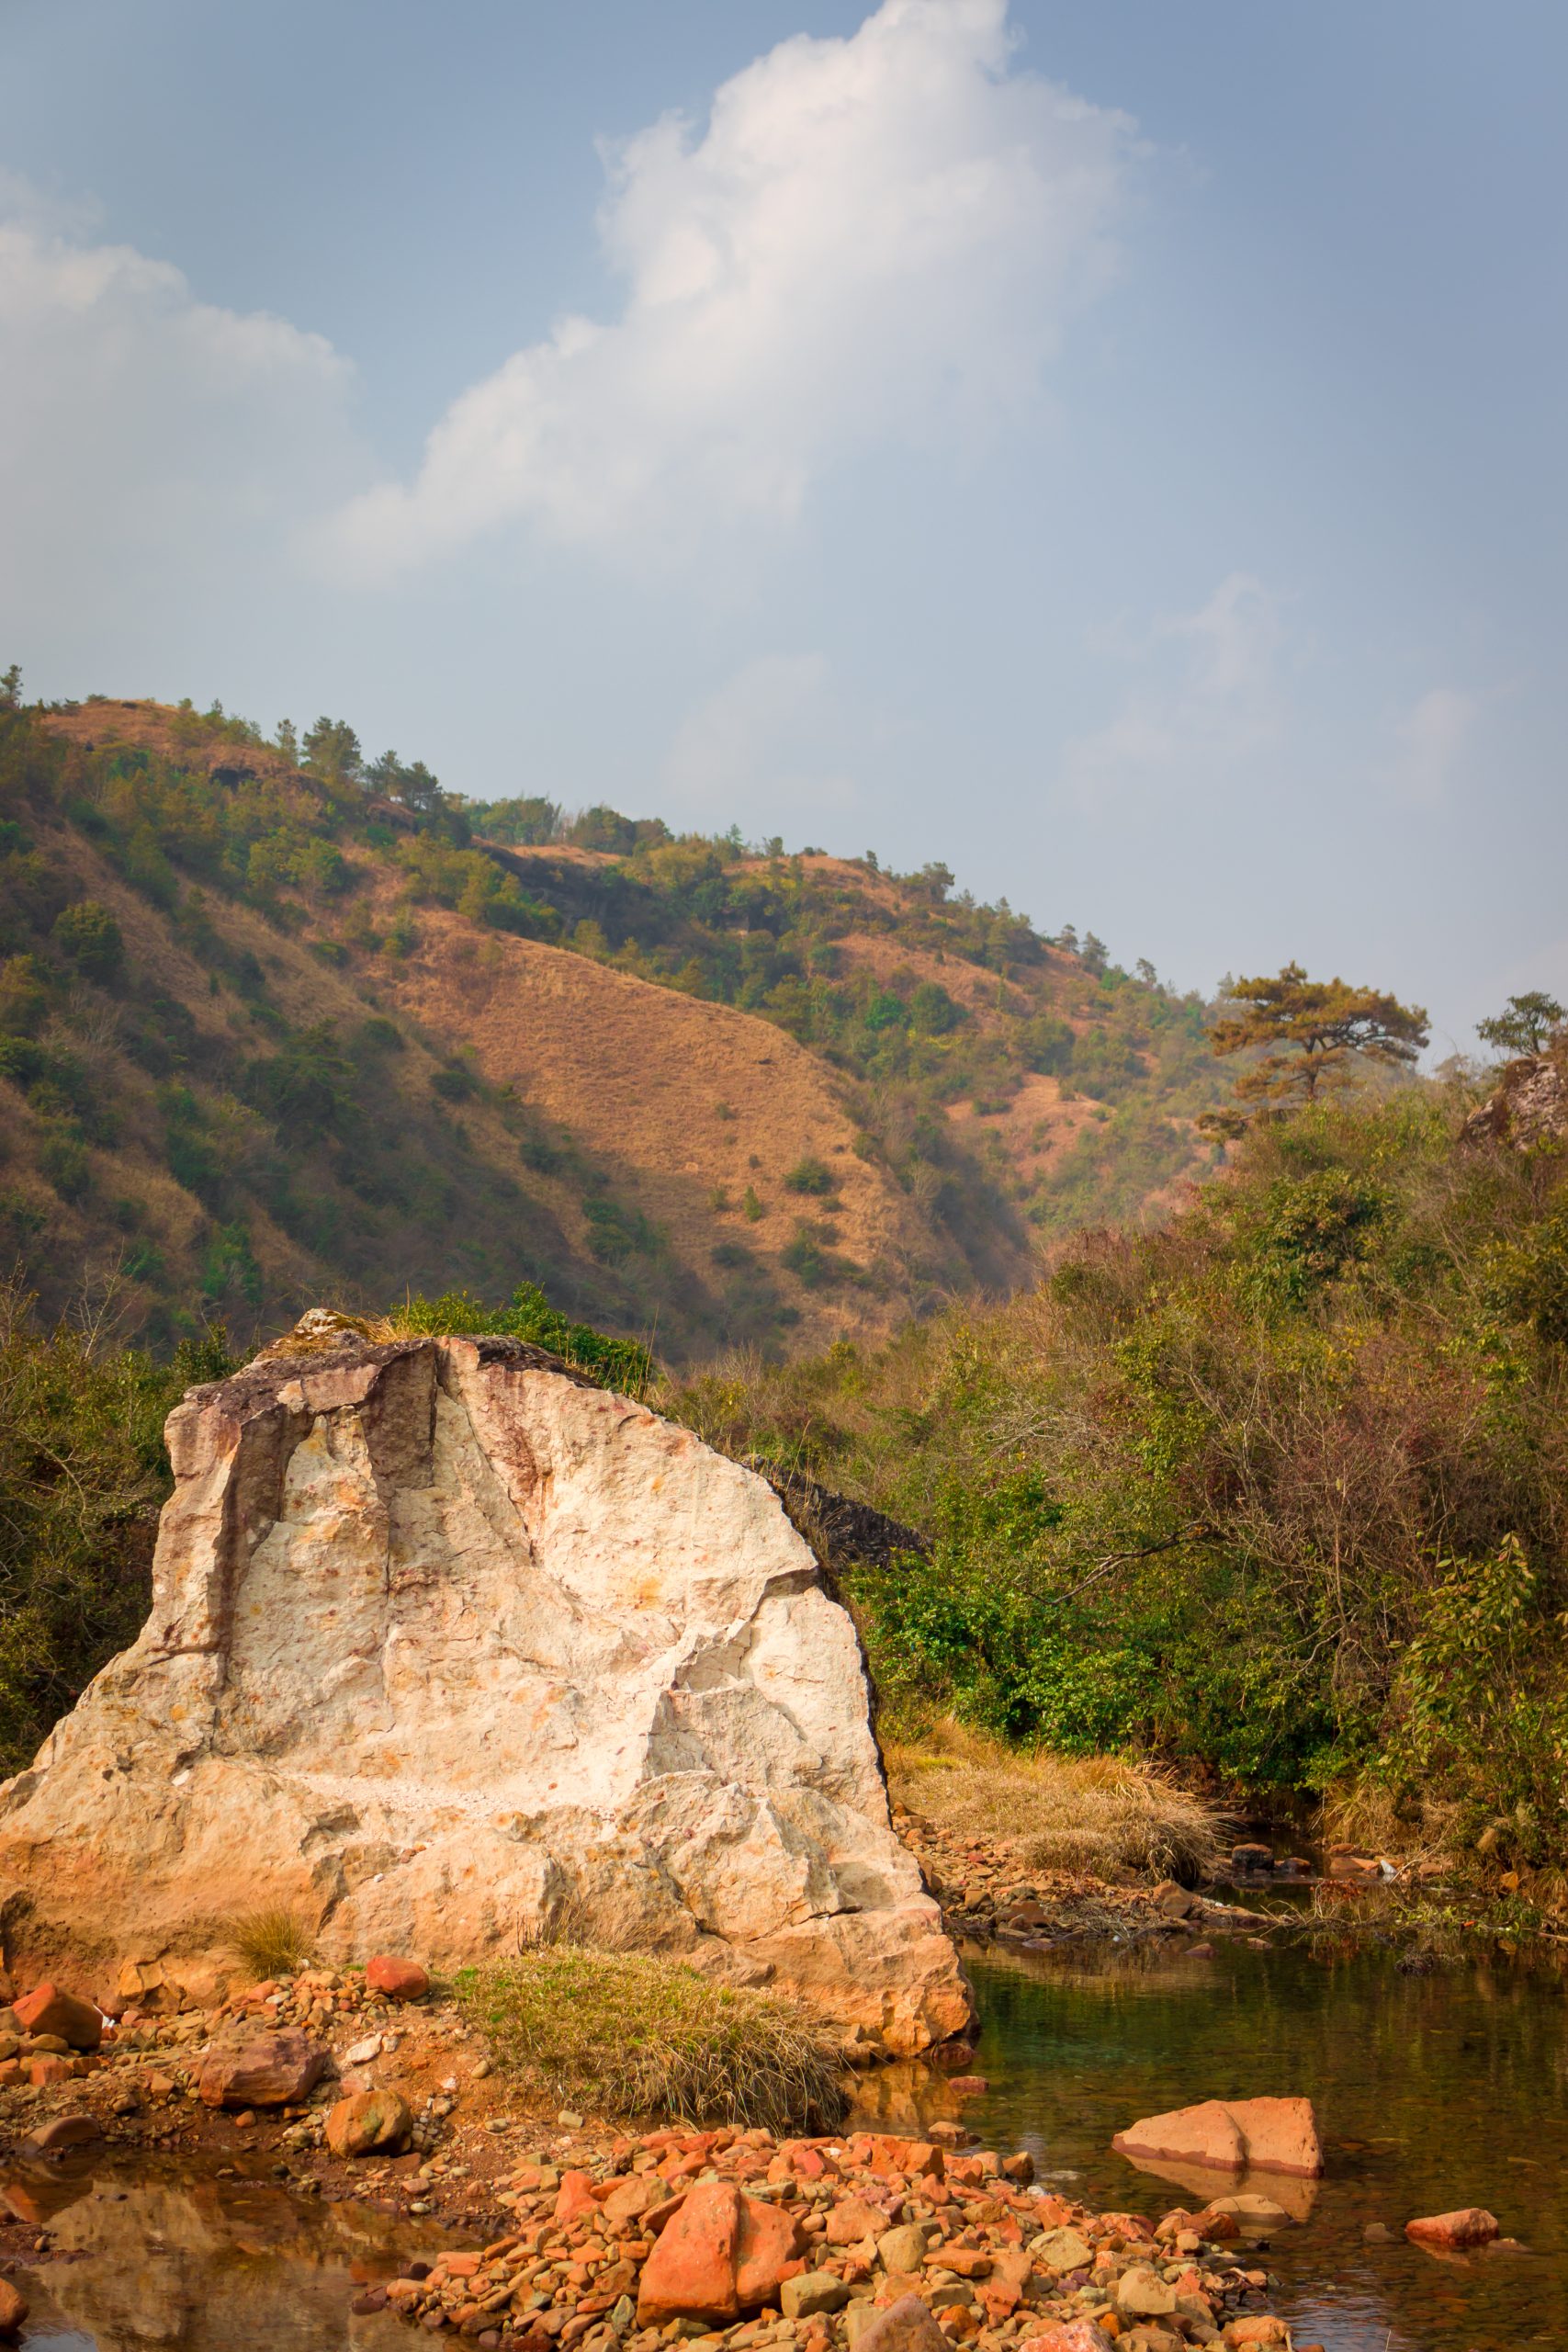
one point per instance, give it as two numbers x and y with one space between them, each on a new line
145 436
874 237
754 747
1213 701
1429 740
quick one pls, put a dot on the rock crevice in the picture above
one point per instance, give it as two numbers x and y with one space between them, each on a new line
448 1646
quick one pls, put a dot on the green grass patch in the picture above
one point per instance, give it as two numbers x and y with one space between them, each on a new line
636 2035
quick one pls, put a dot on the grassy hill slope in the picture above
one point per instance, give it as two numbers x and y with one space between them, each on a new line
273 1032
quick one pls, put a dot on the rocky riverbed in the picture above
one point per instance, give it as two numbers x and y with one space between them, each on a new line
559 2229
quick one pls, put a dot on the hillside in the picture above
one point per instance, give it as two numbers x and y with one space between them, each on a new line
275 1025
1275 1492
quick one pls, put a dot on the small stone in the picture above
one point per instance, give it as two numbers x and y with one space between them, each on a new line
61 2132
1059 2251
568 2119
1471 2226
902 2251
1142 2293
813 2292
906 2326
395 1979
363 2051
47 2010
275 2070
369 2122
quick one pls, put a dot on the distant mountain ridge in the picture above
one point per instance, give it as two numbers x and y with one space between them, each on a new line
273 1032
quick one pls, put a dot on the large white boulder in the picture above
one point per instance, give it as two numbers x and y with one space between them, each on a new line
449 1649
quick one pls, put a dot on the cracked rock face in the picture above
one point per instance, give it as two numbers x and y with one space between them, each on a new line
449 1648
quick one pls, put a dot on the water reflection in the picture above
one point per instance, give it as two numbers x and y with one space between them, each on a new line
163 2254
1431 2091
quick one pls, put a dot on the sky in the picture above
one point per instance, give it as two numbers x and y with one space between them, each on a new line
1114 447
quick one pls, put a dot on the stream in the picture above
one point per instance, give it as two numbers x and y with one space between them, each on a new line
1432 2091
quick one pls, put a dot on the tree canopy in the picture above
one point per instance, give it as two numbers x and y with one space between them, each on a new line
1309 1033
1526 1024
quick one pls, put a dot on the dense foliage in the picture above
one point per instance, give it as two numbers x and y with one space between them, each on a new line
82 1476
1280 1490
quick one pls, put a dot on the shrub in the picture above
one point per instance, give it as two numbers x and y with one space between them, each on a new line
1102 1814
90 936
271 1942
641 2036
810 1175
621 1365
81 1478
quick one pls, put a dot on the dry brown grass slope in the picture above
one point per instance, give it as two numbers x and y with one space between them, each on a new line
695 1103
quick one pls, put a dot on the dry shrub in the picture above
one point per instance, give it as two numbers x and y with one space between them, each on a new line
1099 1813
271 1942
636 2035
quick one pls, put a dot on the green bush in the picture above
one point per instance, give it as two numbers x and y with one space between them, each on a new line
621 1365
82 1476
90 936
810 1175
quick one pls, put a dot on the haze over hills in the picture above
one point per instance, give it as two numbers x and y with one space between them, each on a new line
277 1025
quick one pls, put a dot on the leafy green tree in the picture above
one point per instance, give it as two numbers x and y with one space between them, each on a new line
11 687
89 935
332 754
1526 1024
1309 1033
410 783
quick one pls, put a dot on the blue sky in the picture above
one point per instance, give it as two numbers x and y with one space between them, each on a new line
1114 447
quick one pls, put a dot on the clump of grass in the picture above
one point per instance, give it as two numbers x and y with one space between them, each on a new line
636 2035
1099 1813
271 1942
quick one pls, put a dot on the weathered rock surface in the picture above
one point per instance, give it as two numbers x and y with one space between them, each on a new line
1238 2134
1471 2226
400 1980
724 2252
369 2122
1529 1106
47 2010
272 2070
447 1643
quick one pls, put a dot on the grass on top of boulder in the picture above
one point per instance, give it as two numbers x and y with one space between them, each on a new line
1102 1814
271 1942
636 2035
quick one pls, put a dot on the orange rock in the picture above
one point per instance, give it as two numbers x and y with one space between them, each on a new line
274 2070
853 2221
1270 2134
46 2009
369 2122
630 2198
1470 2225
13 2308
575 2196
397 1980
691 2272
722 2254
44 2071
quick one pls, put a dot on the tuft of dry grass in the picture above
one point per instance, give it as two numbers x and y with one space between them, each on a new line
636 2035
271 1942
1096 1814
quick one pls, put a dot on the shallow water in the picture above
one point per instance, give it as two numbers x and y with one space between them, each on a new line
1432 2092
148 2252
